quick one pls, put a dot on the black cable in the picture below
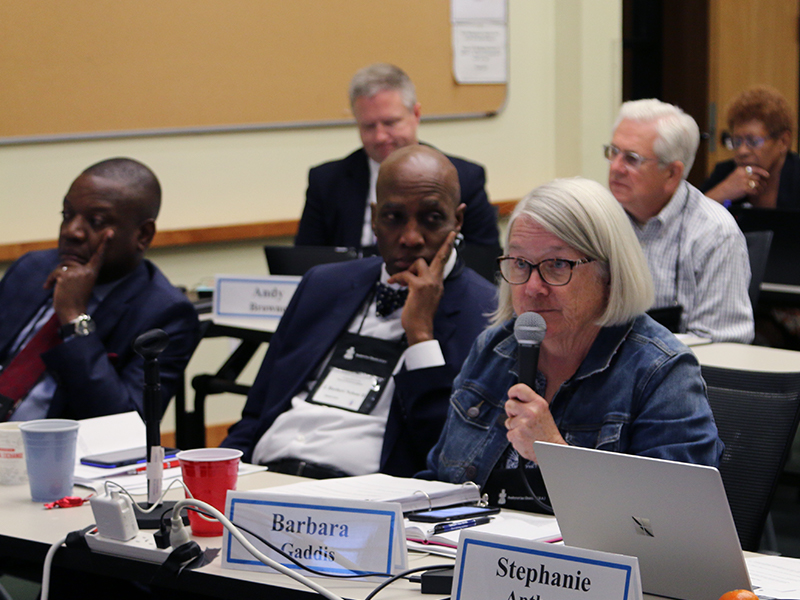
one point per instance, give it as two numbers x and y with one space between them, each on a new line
394 578
548 510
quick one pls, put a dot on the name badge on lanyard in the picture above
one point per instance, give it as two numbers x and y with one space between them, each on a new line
357 373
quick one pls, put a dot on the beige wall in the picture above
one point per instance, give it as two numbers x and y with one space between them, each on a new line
564 90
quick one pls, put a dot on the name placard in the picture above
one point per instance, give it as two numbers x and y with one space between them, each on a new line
244 296
493 567
332 536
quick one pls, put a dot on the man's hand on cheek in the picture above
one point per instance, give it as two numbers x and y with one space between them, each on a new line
425 288
72 283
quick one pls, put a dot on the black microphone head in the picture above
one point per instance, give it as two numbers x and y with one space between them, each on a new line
530 329
151 343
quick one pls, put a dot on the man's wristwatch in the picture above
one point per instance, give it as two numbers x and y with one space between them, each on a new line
81 325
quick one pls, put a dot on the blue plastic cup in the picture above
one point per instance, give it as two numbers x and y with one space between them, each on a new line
50 457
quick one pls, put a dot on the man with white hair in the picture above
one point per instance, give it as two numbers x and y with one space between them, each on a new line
337 210
696 253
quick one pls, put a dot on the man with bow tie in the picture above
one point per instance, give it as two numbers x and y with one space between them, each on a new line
358 375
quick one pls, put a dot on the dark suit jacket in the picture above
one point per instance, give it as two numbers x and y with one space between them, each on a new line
336 200
100 374
327 299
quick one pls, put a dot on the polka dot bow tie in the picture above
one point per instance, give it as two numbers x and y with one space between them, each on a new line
389 299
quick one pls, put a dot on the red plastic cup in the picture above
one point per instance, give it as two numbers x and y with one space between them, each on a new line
209 473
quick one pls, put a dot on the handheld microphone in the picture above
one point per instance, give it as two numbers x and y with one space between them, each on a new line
529 329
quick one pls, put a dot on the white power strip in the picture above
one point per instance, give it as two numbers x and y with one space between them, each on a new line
142 547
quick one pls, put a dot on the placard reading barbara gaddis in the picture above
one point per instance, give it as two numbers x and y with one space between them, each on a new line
332 536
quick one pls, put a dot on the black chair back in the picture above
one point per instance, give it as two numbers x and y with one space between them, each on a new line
296 260
668 316
482 260
756 415
758 245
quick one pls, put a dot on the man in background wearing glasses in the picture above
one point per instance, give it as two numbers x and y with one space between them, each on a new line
696 253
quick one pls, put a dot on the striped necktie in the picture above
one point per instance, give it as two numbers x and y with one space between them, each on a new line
27 367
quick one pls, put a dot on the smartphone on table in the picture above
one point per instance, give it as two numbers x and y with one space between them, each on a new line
453 513
121 458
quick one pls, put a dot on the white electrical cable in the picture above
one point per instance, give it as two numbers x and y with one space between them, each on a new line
145 511
248 546
178 523
48 562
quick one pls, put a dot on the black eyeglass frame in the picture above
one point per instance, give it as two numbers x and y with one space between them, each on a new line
531 266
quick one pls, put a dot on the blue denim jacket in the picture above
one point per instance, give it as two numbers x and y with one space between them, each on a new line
638 391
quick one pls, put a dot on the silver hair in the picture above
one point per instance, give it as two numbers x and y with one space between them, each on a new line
379 77
678 133
584 215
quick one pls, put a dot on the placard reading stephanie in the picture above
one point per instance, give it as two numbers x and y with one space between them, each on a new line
493 567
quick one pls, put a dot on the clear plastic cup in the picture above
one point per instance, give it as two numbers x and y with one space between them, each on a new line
50 457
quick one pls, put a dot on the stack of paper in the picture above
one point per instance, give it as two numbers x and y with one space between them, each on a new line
520 525
774 576
412 494
527 526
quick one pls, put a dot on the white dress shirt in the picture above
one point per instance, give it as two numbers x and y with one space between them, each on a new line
367 235
343 439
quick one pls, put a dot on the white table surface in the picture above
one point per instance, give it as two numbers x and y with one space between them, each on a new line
24 519
748 357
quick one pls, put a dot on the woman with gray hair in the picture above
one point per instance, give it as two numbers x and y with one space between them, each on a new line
609 377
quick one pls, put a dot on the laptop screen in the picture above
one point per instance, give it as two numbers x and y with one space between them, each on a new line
674 517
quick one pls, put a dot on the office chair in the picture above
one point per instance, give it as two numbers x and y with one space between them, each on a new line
296 260
482 260
758 245
668 316
190 427
757 415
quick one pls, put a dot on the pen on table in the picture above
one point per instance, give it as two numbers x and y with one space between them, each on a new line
168 464
445 527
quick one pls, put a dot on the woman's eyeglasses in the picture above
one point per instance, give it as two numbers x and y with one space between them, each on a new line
754 142
553 271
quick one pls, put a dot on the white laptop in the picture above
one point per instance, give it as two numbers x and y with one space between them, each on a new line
673 516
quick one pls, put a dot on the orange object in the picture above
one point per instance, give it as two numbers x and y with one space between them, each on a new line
738 595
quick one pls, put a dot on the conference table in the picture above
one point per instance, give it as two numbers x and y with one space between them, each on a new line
748 357
27 530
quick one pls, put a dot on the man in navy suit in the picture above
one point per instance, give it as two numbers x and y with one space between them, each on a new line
340 193
101 294
353 382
